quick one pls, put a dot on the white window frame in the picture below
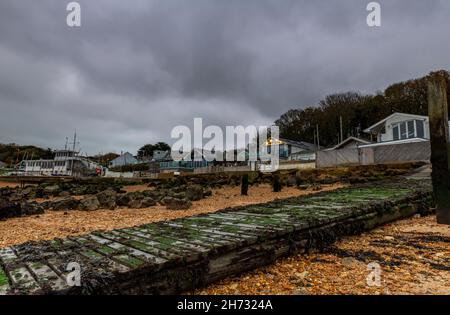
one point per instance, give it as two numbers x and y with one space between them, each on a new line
407 129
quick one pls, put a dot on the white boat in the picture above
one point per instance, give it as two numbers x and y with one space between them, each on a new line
65 163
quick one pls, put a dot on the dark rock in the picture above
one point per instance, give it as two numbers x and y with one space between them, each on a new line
136 195
46 204
64 193
178 195
148 202
207 192
149 193
67 203
15 197
176 204
9 209
135 204
89 204
123 200
179 189
31 208
52 190
131 200
27 193
107 199
194 193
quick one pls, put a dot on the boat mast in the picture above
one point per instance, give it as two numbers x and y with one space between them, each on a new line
73 151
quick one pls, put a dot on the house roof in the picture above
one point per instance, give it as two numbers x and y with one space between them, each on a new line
381 122
394 142
349 139
122 157
300 144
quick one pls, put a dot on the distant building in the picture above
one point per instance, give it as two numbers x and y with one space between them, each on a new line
400 126
349 143
125 159
2 165
186 162
65 163
294 150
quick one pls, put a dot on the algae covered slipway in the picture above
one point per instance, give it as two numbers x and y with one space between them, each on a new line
177 255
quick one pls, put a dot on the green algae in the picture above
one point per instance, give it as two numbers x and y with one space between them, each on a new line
3 277
106 250
91 254
130 261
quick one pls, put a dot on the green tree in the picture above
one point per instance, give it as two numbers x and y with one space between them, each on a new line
357 111
147 150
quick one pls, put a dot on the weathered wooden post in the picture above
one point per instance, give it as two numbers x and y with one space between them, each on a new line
276 182
244 185
438 114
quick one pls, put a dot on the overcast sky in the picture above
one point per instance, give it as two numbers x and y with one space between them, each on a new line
137 68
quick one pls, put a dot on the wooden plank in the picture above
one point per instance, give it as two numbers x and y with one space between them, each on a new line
47 277
23 280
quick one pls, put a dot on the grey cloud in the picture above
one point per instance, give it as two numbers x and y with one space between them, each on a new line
137 68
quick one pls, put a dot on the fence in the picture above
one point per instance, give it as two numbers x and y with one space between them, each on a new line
380 154
222 169
287 166
335 158
407 152
112 174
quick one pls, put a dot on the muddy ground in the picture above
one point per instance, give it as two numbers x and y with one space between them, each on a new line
414 256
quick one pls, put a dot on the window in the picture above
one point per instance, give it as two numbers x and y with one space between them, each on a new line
420 129
396 132
411 129
408 129
403 133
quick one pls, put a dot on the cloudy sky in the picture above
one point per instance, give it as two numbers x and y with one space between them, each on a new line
137 68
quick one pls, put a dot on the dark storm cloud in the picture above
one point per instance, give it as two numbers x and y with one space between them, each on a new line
135 69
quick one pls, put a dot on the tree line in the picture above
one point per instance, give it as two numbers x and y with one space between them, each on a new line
12 153
358 111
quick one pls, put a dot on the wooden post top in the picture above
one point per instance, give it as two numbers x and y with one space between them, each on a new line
438 114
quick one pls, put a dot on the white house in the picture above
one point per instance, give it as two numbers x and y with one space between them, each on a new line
399 138
400 126
125 159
